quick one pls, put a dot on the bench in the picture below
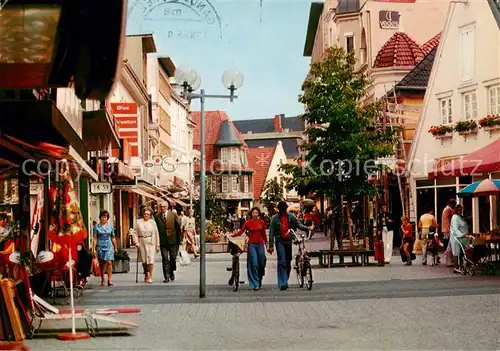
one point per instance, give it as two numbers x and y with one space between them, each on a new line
360 257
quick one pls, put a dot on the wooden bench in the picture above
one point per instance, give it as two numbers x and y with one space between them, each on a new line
360 257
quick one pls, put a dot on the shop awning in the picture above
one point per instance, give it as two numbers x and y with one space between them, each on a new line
39 121
99 130
482 161
138 192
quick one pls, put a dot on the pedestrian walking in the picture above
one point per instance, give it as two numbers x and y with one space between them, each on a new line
146 237
427 220
105 245
459 233
278 233
256 255
188 226
445 229
385 224
407 239
169 228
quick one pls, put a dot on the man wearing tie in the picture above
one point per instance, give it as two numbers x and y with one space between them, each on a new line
169 228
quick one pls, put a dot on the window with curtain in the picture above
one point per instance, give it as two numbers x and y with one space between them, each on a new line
445 110
469 101
494 100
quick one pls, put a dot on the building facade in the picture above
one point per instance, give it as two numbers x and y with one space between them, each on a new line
464 86
229 175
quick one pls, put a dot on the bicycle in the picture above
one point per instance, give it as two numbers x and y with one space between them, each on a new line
235 247
302 262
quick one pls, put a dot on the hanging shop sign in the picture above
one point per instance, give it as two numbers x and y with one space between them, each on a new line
101 188
389 19
127 119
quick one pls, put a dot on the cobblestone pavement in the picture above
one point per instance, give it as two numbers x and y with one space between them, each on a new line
366 308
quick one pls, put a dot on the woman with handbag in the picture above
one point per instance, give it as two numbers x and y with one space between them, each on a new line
188 227
105 245
148 240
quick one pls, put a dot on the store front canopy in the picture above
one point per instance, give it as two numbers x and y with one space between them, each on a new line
482 161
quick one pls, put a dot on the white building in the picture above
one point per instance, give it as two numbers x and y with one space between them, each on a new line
464 86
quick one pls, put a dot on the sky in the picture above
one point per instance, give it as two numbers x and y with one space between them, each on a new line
264 40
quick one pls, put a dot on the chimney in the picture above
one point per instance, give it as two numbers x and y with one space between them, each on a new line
277 124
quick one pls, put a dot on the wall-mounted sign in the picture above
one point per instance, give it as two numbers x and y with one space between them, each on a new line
127 120
101 188
148 164
157 160
389 19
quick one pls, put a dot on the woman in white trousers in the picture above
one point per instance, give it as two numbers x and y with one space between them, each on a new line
385 225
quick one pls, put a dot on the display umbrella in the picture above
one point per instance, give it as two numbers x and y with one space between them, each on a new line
66 228
485 187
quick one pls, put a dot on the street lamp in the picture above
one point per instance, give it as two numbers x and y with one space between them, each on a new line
189 80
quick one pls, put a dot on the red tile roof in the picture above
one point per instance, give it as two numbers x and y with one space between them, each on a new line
213 122
431 43
399 51
259 159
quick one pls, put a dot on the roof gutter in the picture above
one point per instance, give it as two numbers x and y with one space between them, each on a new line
410 87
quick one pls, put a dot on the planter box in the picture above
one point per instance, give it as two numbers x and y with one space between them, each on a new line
121 266
467 133
216 247
444 136
491 128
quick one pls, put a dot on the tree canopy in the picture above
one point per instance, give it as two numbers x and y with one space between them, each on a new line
272 193
344 140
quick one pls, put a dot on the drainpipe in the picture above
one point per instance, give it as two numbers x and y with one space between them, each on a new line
369 39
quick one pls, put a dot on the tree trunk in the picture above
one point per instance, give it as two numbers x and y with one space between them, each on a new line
349 226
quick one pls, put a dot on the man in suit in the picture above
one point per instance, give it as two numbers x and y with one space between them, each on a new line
169 228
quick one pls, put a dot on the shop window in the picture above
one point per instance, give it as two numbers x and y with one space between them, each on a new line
444 195
466 180
425 199
424 182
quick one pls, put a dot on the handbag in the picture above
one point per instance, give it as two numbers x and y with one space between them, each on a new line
184 259
96 269
417 247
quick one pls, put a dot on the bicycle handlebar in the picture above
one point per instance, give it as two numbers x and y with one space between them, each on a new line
293 233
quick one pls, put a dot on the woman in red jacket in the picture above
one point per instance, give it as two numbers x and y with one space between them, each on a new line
256 256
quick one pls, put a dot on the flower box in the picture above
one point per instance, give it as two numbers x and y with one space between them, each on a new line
466 127
490 121
121 266
491 128
441 131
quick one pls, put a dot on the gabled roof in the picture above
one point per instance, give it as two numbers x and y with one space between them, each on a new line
227 135
418 77
399 51
266 125
495 8
213 123
260 159
431 43
291 145
312 26
347 6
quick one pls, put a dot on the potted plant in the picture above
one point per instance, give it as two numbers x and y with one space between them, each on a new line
441 131
466 127
121 264
490 122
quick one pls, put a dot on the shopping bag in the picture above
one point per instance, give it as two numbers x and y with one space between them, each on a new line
96 270
417 247
184 259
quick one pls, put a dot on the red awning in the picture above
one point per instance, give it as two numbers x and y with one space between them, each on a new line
481 161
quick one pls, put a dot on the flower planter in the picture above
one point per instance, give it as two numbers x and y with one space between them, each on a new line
444 137
466 133
216 247
121 266
491 129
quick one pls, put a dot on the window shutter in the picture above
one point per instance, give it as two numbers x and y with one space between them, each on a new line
467 55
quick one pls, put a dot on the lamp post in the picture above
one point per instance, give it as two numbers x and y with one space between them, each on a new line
190 82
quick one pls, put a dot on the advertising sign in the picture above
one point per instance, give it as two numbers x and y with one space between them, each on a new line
127 120
389 19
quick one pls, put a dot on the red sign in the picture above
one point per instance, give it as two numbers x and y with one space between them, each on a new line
124 108
127 121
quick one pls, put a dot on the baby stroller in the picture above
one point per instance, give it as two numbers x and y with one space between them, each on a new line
475 254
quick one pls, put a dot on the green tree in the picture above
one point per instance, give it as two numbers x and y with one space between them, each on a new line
272 193
214 208
345 138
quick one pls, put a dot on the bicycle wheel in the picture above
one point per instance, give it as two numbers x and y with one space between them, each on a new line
299 272
236 272
308 274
